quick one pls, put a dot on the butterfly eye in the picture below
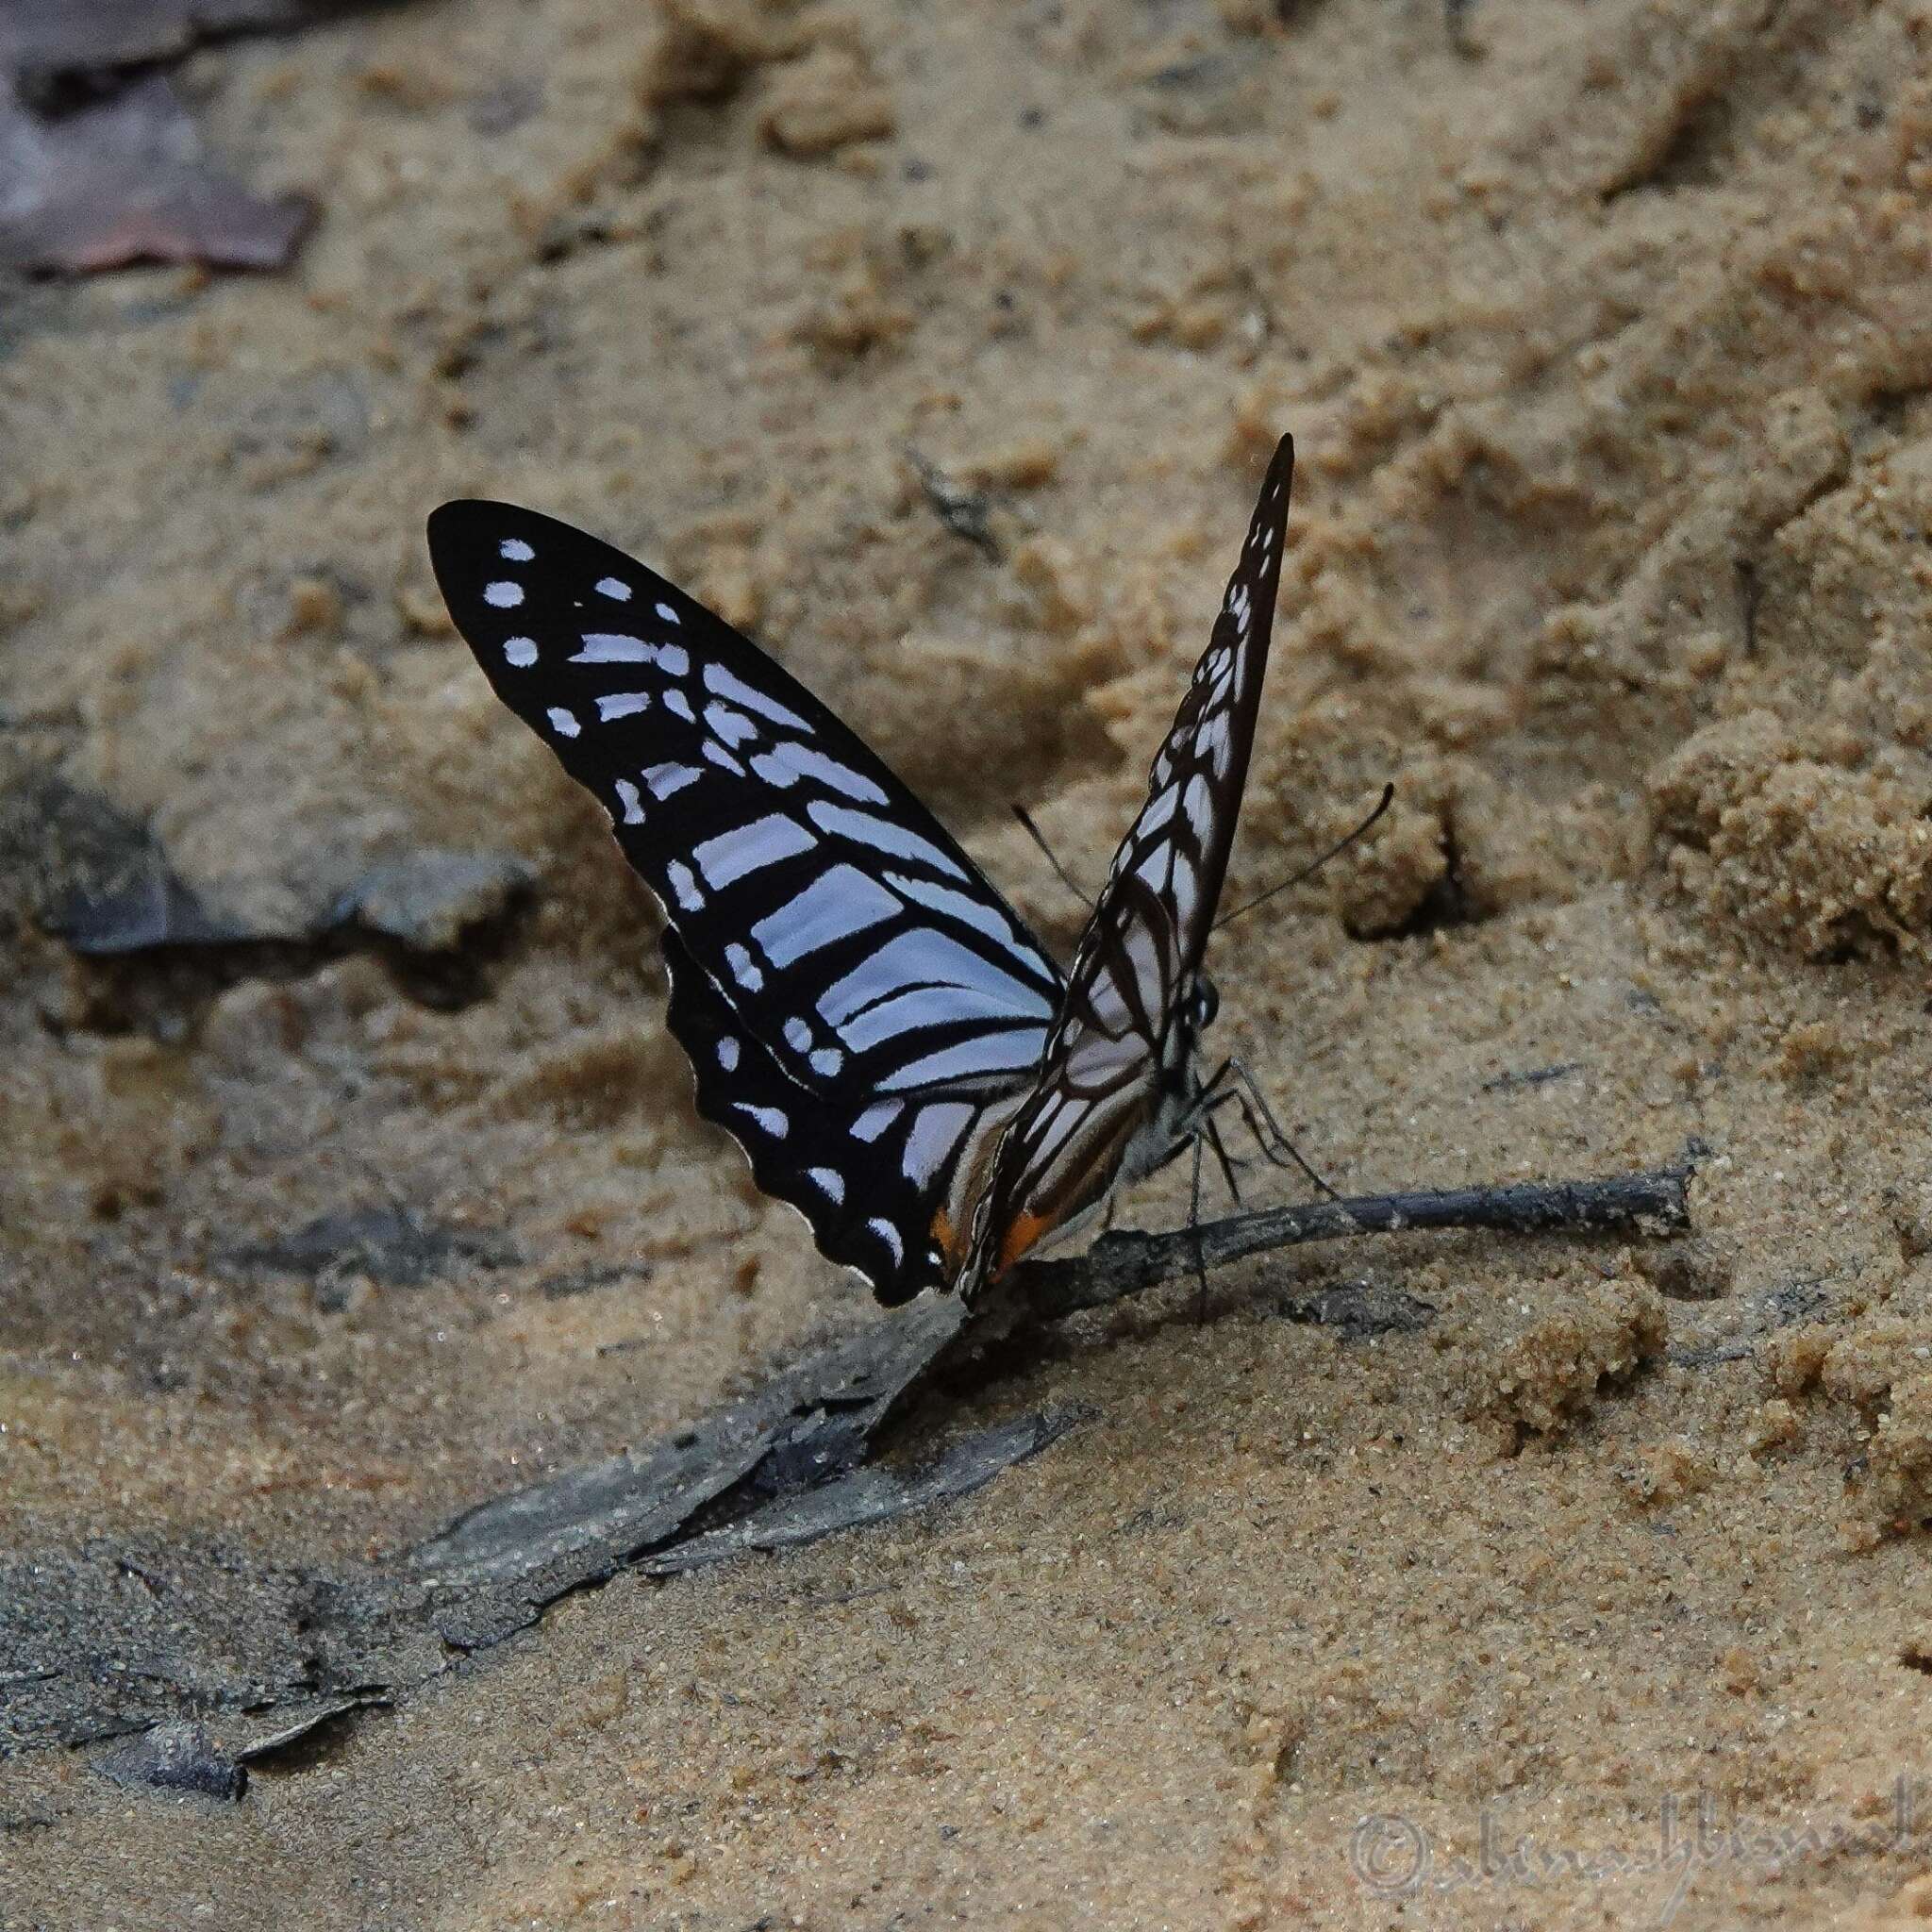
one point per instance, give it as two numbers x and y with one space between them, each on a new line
1207 1003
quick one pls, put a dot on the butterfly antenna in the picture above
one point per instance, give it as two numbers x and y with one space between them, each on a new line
1060 871
1314 865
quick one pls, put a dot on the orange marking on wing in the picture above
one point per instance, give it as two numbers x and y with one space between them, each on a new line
947 1235
1023 1232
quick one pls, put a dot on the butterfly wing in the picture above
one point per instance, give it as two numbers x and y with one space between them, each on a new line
1113 1079
853 994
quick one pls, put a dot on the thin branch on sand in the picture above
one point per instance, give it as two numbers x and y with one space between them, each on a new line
1124 1265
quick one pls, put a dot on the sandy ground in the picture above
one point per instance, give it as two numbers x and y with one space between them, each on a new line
1602 330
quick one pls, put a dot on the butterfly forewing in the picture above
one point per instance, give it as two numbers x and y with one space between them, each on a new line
852 991
1118 1046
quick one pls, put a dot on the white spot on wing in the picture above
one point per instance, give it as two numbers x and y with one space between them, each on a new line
840 901
889 1235
934 1133
713 753
924 960
747 848
679 707
829 1181
1185 887
880 835
1214 738
669 615
968 911
616 647
514 550
620 704
771 1119
927 1005
688 898
744 969
727 1053
613 647
990 1052
733 727
666 780
564 723
721 683
504 596
1157 811
1199 803
826 1060
876 1119
1051 1132
522 652
786 763
633 804
614 587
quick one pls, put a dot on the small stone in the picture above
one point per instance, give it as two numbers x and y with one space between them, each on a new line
176 1757
825 102
314 605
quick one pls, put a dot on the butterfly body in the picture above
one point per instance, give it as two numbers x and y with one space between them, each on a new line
896 1053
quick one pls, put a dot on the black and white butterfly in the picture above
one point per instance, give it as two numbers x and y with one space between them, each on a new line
898 1056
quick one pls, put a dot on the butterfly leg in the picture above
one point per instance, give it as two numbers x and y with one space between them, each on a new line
1221 1154
1268 1132
1200 1253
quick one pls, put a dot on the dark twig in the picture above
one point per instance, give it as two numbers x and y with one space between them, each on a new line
1750 593
1126 1264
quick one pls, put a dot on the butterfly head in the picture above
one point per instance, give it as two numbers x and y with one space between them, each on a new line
1193 1012
1204 1003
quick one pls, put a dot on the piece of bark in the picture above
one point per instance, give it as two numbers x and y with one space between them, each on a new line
124 180
47 42
869 1495
218 1638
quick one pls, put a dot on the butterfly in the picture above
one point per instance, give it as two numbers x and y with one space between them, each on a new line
896 1053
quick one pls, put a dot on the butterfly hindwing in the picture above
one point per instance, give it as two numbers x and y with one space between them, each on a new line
867 1181
819 916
